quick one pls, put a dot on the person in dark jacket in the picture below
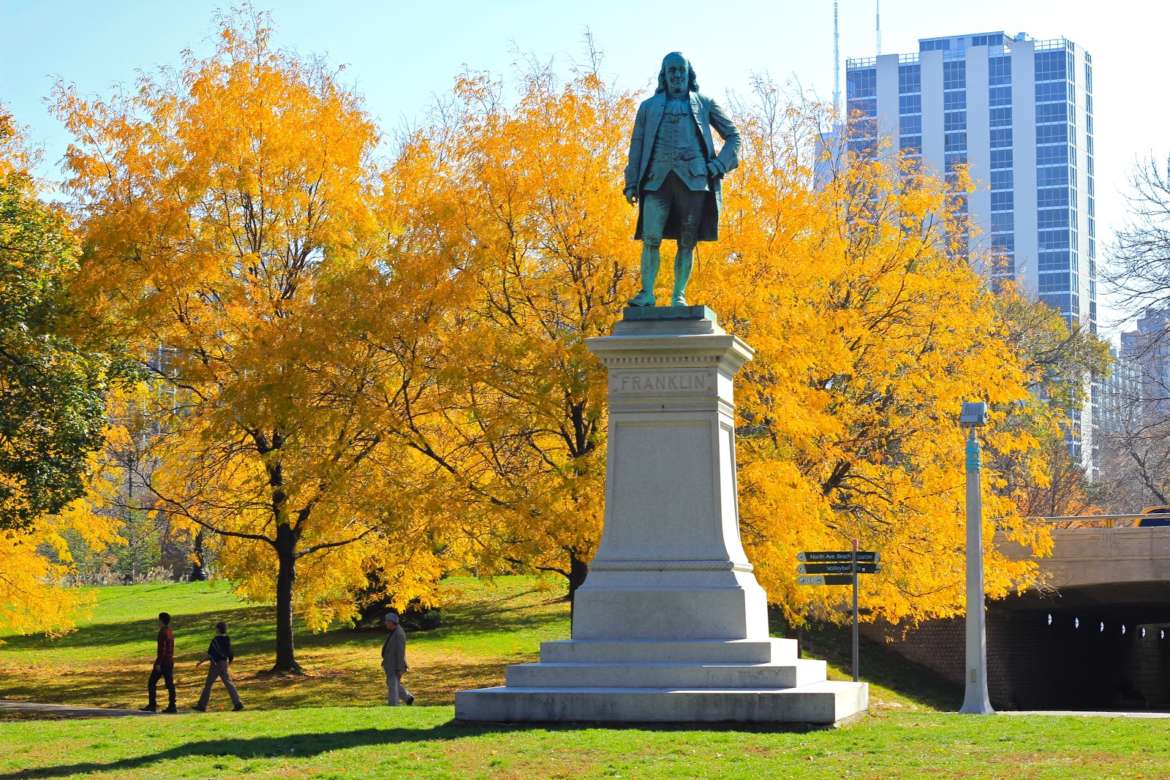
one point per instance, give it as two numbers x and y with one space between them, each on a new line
394 662
164 666
219 657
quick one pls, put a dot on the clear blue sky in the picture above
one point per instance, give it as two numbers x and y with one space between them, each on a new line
401 54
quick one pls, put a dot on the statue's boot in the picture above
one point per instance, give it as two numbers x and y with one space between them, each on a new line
650 262
683 263
643 298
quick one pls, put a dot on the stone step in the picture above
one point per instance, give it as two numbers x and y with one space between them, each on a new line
665 675
821 703
714 651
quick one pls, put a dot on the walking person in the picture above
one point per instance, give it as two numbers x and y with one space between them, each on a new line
219 658
394 662
164 666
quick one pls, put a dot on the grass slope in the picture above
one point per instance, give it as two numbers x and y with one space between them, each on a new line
487 624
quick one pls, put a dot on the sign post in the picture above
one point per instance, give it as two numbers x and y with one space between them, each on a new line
856 640
840 568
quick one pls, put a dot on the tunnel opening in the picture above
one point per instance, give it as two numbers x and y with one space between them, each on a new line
1104 647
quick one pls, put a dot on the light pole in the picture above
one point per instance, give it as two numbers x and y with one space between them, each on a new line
975 699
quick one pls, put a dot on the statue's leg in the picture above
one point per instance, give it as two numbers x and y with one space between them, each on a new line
655 209
651 260
683 263
691 204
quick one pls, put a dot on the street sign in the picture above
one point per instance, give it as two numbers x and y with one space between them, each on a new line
844 556
826 579
838 568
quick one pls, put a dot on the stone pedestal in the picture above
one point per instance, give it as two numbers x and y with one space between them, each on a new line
670 624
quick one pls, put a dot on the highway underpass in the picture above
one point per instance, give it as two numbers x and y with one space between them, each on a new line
1096 637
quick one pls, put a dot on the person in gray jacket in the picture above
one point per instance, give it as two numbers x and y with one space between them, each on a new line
394 662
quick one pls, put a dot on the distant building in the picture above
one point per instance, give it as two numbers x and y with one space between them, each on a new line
1117 398
1148 348
1019 114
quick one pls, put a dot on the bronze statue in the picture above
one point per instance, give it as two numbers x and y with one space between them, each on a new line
674 173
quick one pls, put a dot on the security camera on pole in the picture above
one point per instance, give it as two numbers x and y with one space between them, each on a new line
975 699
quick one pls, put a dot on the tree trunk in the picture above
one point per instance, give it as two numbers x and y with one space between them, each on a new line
578 570
198 573
286 575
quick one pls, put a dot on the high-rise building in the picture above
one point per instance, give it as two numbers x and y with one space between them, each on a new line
1019 114
1148 347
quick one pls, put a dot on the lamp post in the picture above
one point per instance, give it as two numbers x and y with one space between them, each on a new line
975 698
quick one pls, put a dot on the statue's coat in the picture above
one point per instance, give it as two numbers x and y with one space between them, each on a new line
707 114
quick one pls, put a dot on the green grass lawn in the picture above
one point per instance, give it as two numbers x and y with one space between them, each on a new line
423 742
106 661
330 722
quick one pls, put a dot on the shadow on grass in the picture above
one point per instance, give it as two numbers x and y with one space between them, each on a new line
244 620
291 745
312 744
252 628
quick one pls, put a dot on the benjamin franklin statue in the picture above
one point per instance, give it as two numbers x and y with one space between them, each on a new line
674 173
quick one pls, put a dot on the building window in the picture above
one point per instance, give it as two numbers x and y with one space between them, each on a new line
864 106
1000 117
954 120
1055 196
954 74
1052 155
1001 137
1052 218
1002 221
861 83
911 144
1050 112
955 100
1002 200
1053 239
1050 66
1052 92
1001 180
910 125
909 78
955 142
952 161
999 96
1003 243
909 104
1052 176
1052 134
1053 261
1050 283
999 70
1001 158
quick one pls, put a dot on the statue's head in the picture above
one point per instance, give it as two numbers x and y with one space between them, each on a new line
677 77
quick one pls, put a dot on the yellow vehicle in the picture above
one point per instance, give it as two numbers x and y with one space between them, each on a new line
1154 516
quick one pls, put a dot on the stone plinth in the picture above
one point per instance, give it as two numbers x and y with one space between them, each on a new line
670 624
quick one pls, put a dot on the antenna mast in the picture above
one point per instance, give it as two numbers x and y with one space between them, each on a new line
836 63
878 25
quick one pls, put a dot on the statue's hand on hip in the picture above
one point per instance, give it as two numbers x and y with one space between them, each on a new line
631 197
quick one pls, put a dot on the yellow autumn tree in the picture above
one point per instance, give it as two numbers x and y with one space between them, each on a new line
523 200
52 388
230 214
871 329
869 324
